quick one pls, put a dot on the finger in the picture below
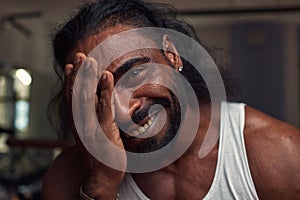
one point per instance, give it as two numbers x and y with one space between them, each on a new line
67 85
68 91
88 83
68 69
78 61
106 114
106 104
71 72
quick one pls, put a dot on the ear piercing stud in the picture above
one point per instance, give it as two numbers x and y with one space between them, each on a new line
180 68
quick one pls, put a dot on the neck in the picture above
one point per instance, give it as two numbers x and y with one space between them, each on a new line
189 168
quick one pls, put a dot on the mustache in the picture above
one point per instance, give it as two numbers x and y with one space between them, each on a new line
142 113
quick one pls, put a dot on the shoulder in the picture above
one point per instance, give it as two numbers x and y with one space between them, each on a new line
273 150
63 179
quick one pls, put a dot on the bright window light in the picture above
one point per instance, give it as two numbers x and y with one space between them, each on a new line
24 77
22 115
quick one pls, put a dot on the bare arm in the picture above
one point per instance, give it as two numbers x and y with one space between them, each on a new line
98 180
64 177
273 149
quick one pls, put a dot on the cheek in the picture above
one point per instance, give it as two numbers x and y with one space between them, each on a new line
166 82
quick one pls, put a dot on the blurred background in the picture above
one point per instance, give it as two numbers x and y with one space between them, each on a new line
257 39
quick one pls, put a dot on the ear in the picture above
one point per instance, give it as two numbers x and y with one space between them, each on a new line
171 52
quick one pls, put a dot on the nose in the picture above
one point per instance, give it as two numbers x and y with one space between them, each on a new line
124 109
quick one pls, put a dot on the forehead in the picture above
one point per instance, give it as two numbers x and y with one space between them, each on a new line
103 39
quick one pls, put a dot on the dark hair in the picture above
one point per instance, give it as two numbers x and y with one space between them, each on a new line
95 17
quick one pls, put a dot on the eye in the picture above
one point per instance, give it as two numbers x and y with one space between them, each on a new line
134 77
134 73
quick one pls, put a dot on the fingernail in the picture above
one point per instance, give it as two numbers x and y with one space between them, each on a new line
68 69
67 72
77 59
104 76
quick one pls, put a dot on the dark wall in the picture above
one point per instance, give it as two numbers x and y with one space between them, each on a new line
258 59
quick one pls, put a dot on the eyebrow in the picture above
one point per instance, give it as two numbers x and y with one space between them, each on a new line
128 65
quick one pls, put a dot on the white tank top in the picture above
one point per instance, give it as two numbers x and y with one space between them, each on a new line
232 178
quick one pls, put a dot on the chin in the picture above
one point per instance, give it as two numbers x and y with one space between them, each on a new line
157 128
156 141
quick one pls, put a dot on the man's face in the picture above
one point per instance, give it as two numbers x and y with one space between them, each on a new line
157 125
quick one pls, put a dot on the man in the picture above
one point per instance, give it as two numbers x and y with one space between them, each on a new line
254 157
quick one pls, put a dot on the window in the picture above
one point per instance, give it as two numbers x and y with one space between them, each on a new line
14 100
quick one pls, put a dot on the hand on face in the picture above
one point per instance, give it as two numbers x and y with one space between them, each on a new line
95 171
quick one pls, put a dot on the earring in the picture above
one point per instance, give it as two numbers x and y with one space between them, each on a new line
180 68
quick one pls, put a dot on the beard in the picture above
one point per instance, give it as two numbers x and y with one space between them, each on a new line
174 119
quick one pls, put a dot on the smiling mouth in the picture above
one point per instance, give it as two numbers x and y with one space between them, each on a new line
142 129
144 119
144 126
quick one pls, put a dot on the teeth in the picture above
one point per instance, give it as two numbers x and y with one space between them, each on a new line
144 128
141 130
135 133
149 122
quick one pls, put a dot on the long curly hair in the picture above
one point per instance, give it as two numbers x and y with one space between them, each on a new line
92 18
